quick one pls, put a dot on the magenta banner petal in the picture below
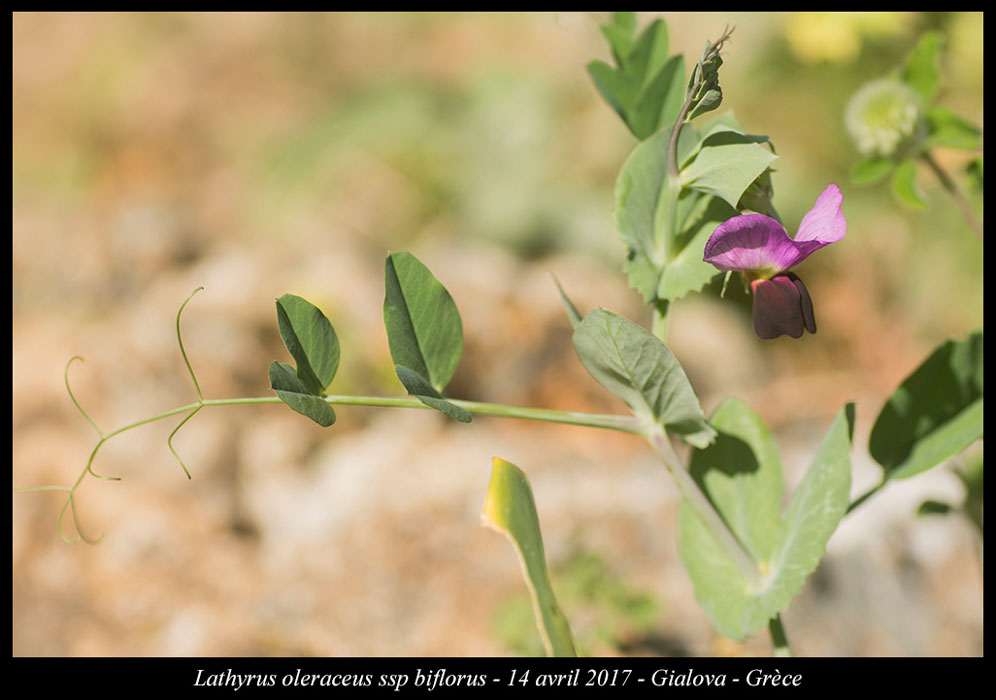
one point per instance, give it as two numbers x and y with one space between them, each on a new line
825 221
755 243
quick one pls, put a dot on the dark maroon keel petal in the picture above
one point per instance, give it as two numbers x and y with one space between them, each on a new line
809 319
777 308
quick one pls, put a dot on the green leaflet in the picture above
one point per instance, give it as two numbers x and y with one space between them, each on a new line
741 473
648 211
618 90
945 128
922 69
659 102
904 186
665 224
573 315
726 164
637 367
619 34
311 341
419 387
724 122
424 331
284 381
871 170
686 271
646 88
935 413
637 195
648 54
943 443
510 509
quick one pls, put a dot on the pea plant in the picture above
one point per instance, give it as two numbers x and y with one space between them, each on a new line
694 200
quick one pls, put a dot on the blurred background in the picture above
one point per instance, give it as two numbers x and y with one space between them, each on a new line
258 154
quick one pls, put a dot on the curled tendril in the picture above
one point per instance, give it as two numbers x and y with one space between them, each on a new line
169 440
65 375
103 437
179 340
89 463
70 504
193 377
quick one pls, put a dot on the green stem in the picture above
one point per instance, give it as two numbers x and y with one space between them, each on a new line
673 188
778 639
704 509
866 495
661 321
956 195
626 424
672 146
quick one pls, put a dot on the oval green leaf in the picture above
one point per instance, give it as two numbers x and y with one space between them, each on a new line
726 164
419 387
935 413
292 392
922 68
687 272
904 186
637 195
617 89
660 101
813 514
424 331
619 34
741 473
742 476
870 170
311 341
637 367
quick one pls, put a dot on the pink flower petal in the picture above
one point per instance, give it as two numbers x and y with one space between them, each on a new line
825 221
755 243
758 245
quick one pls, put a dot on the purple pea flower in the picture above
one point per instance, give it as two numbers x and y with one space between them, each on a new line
759 248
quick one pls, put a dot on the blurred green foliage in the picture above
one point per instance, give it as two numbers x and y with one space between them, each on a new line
603 609
399 126
970 473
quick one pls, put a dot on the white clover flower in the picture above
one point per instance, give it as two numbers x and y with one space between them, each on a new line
884 116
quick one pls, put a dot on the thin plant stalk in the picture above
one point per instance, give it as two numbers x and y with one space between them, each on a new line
779 640
956 195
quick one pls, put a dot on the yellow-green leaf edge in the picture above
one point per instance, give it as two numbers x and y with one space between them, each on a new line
509 508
